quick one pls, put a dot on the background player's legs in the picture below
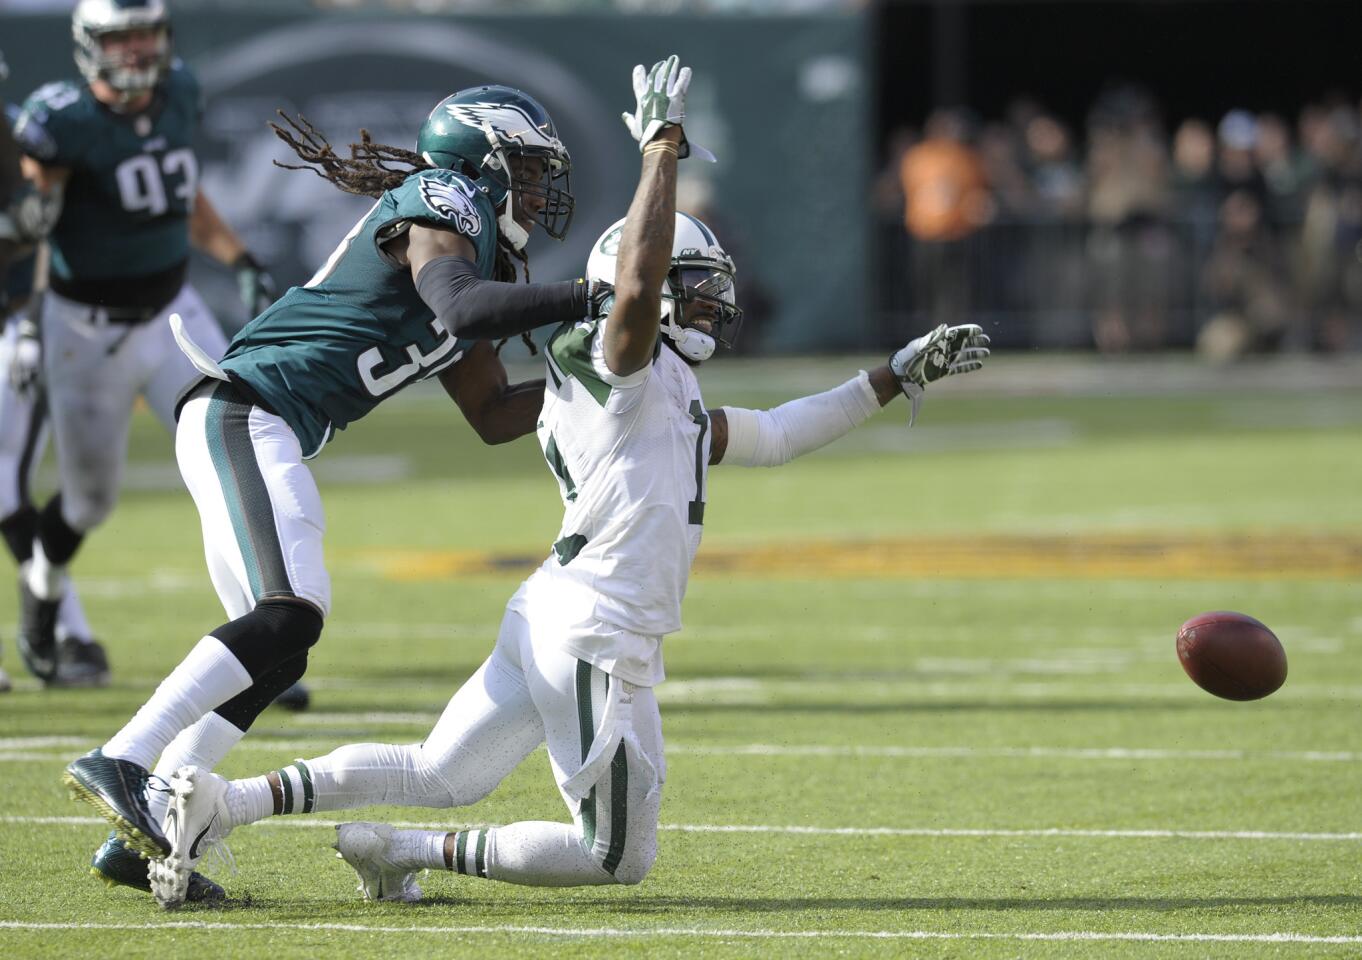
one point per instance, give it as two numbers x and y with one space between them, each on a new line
91 384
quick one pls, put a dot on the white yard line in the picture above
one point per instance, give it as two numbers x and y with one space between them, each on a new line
796 830
599 933
14 749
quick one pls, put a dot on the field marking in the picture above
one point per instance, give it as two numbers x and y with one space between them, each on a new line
296 823
21 748
653 932
1101 556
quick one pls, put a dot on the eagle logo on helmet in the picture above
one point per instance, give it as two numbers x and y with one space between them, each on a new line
508 121
452 202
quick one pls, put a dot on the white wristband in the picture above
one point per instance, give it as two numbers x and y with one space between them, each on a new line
768 438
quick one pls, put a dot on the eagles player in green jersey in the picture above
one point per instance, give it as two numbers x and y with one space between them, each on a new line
116 151
416 289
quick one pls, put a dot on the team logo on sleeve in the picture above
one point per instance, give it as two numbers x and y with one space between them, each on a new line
452 202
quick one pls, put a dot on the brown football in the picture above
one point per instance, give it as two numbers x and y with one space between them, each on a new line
1231 655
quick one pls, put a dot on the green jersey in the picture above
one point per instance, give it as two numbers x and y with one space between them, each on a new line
327 352
133 176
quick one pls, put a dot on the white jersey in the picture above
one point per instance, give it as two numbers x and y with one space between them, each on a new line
631 455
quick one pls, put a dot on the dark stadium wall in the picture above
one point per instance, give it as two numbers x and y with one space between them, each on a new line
781 100
1197 58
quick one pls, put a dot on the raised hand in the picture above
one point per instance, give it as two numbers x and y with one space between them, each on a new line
942 352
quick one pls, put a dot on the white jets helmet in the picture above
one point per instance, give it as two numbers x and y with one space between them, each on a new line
93 19
700 270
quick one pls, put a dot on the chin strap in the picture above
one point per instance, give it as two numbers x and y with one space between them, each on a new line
516 235
695 345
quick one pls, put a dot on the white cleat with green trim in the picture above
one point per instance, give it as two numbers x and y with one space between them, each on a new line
196 821
366 847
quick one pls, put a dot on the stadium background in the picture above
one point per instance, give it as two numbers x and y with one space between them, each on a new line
808 106
926 699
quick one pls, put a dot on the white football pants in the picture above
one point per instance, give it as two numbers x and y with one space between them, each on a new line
258 503
23 439
94 373
604 739
23 433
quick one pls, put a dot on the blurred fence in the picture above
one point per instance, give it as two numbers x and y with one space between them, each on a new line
1048 284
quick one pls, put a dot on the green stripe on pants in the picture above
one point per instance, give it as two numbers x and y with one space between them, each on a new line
619 809
588 734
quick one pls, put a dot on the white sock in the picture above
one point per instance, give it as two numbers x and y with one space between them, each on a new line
203 745
249 800
71 622
46 579
535 853
210 675
418 849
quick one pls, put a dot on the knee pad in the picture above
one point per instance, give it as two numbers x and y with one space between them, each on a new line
84 509
273 632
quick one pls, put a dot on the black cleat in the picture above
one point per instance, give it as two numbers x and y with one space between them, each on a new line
38 633
81 663
295 698
117 789
117 866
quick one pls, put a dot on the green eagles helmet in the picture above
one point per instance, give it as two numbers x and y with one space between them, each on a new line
478 131
94 19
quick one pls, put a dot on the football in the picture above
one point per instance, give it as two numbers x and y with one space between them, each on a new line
1231 655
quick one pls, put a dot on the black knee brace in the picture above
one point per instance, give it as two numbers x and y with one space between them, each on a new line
275 631
60 540
241 710
18 530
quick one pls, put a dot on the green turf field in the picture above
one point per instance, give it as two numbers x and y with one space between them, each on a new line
968 736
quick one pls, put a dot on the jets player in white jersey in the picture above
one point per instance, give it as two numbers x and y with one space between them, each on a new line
627 435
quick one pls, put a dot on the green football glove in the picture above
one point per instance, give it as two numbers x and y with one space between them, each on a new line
943 352
660 102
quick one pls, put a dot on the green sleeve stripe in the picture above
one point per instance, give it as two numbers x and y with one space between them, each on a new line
570 349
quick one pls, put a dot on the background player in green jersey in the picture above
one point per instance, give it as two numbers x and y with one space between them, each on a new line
416 289
25 216
116 151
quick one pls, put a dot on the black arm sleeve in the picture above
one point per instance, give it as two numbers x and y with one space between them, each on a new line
480 309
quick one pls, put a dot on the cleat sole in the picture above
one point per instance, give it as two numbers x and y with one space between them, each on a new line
137 841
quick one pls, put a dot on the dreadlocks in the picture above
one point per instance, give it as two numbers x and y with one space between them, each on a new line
365 172
368 172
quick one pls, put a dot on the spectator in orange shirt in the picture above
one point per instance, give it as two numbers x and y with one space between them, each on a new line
946 199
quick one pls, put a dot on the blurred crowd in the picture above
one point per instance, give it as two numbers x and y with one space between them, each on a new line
1239 234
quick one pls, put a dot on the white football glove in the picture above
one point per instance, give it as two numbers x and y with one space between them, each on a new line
943 352
660 102
26 360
